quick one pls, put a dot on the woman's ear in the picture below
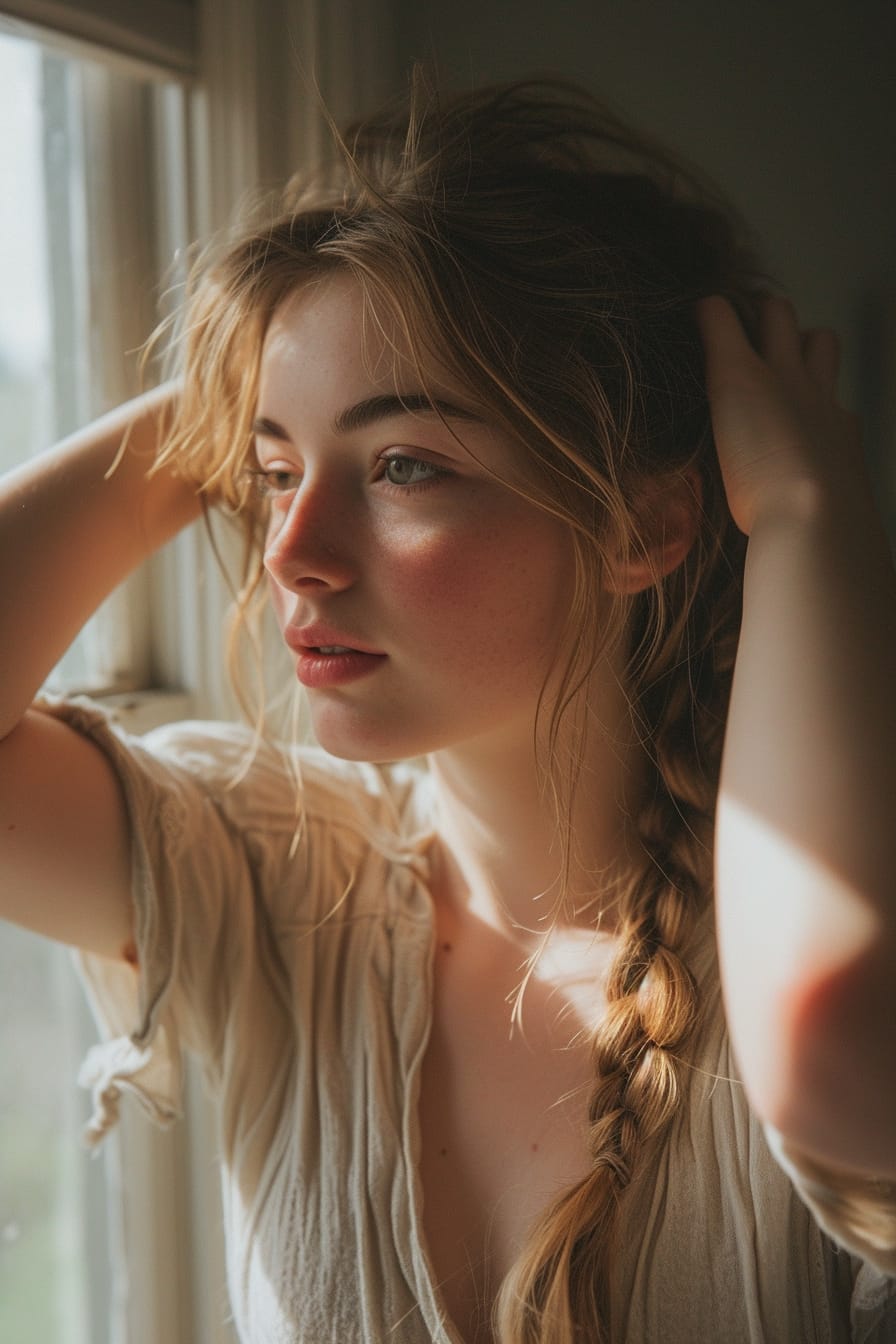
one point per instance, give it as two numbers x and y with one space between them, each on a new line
667 518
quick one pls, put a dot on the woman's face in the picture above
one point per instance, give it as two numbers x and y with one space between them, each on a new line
388 538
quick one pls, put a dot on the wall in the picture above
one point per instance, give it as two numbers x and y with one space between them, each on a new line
791 106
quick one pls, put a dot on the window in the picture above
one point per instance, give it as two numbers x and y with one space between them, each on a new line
45 1273
136 128
92 206
95 208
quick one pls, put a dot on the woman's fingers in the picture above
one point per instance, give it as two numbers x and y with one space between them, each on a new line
723 335
776 421
772 408
779 335
793 354
821 356
791 351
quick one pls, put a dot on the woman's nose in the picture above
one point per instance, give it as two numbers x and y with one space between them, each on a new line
311 542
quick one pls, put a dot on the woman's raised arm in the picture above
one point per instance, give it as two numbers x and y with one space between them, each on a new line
70 531
806 842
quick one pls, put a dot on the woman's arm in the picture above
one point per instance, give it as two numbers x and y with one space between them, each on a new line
70 530
806 836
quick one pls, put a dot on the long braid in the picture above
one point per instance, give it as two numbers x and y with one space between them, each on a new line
558 1291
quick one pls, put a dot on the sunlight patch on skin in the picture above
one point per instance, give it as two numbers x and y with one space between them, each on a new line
783 899
788 926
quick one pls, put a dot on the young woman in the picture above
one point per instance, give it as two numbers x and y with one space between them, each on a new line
579 1028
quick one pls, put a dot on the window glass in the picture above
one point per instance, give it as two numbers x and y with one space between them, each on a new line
44 1275
47 1236
56 1277
42 345
26 403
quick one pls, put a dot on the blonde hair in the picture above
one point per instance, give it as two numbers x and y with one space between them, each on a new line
548 259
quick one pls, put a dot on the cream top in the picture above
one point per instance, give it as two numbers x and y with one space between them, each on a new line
297 961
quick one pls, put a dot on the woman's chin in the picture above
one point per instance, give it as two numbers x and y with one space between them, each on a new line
352 737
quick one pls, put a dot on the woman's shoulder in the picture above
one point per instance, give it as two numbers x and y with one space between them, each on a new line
309 820
217 807
252 778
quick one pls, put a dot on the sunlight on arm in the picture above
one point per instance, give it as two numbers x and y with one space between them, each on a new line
795 943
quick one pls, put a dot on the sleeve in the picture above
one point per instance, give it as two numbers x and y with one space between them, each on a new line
201 864
859 1213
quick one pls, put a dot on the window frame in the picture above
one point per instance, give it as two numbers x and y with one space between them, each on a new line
156 38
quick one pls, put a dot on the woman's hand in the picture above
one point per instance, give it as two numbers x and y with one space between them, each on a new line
777 424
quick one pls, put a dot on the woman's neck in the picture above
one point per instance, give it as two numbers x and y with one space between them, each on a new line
501 852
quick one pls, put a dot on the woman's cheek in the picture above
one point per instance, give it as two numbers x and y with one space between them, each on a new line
447 567
501 581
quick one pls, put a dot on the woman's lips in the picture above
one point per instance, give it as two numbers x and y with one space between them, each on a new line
347 661
313 638
316 669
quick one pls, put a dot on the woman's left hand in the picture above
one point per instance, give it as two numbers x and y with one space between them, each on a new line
775 416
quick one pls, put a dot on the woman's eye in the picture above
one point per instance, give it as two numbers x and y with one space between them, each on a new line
270 484
400 470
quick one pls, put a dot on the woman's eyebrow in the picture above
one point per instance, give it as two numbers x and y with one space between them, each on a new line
385 406
269 429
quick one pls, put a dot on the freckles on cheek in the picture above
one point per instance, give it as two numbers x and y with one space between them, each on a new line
484 588
453 570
